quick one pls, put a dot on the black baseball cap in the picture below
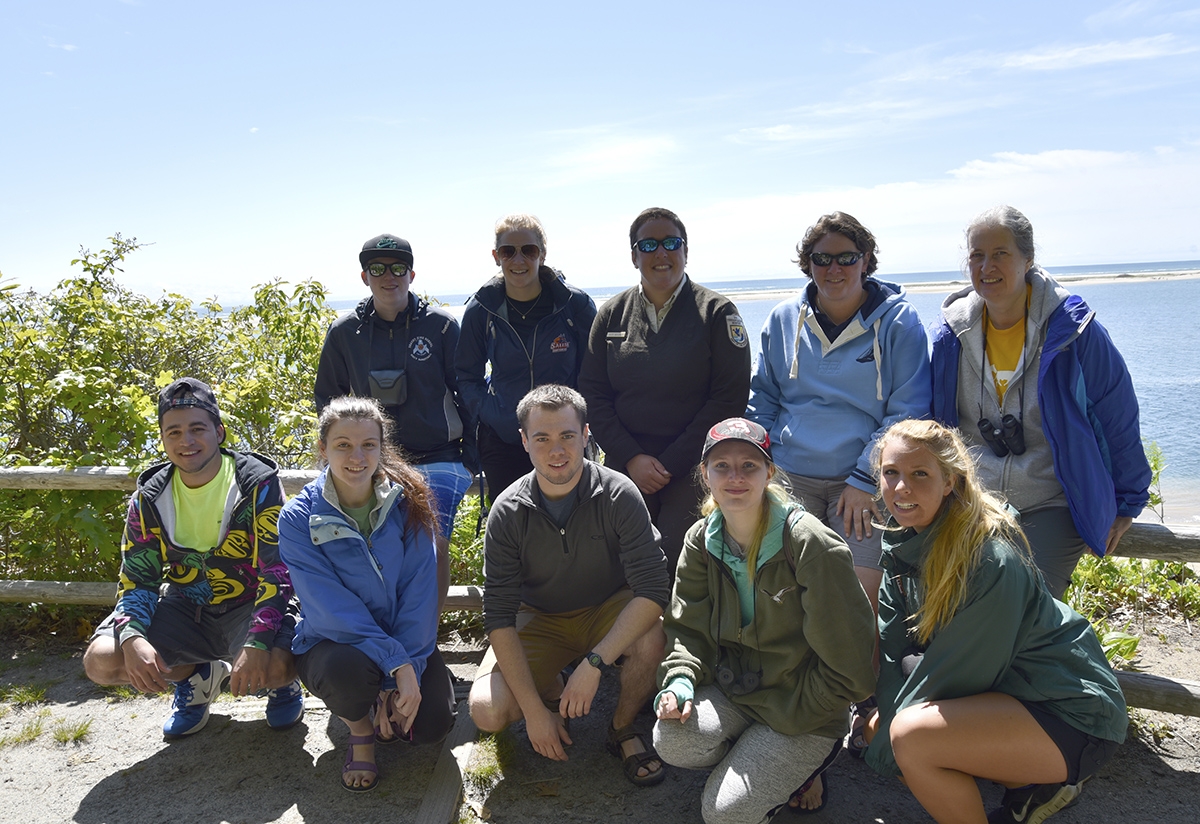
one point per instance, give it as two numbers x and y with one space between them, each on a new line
385 245
187 393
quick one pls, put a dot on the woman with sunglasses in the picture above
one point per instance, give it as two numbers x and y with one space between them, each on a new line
769 639
1033 381
982 674
839 363
666 360
531 328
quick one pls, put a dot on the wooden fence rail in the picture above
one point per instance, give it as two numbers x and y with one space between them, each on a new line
1166 542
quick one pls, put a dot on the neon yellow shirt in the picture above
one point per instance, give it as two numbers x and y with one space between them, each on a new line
199 511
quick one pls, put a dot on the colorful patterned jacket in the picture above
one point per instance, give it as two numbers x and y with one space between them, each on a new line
244 567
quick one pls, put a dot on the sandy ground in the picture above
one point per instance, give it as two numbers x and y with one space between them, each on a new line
238 770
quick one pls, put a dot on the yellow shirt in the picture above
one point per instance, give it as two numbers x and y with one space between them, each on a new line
1004 350
199 511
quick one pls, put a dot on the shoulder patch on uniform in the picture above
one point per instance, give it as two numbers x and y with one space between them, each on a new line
737 331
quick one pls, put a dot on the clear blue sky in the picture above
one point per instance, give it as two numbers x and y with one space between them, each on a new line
253 140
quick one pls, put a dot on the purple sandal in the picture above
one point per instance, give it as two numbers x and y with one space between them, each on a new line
363 766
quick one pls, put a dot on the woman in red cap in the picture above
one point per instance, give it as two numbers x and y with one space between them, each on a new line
769 638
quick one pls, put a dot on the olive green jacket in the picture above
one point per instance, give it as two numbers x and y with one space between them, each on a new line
811 635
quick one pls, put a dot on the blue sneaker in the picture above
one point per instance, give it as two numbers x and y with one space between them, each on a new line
285 706
189 710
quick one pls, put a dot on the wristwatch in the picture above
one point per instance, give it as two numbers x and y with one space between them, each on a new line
596 661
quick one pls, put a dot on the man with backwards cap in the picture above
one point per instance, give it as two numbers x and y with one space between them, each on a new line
201 578
397 348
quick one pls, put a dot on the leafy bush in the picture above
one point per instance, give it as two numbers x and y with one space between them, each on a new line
79 369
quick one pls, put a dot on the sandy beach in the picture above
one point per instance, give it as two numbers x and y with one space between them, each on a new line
936 286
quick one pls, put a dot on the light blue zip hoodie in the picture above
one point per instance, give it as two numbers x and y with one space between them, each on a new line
825 402
377 592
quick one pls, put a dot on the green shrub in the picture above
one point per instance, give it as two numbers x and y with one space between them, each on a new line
79 368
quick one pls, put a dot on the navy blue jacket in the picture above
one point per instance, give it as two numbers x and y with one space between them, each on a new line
422 340
559 343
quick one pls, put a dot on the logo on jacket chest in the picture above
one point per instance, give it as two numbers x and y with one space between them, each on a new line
420 348
560 344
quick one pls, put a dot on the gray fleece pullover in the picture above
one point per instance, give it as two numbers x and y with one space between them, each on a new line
608 543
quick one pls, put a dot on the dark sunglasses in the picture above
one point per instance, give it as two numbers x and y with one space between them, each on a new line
844 259
671 244
378 270
529 251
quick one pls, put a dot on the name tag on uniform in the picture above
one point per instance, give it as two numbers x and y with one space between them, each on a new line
616 336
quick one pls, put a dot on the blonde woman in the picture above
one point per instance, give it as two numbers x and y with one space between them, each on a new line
769 639
524 328
983 674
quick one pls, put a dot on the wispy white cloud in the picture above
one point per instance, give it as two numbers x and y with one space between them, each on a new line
1086 207
1183 18
63 46
606 156
1008 164
1054 58
847 119
1119 14
950 87
253 130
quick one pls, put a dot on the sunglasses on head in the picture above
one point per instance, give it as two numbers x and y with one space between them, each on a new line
844 259
671 244
529 250
378 270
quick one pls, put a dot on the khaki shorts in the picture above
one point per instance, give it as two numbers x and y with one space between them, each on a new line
553 640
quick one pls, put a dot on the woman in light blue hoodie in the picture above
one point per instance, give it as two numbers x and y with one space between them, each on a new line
838 364
358 542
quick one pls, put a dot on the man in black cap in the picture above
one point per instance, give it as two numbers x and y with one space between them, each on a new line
399 349
201 578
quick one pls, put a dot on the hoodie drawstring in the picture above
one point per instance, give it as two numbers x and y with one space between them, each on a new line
795 373
878 361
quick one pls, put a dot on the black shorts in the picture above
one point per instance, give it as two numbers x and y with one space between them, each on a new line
1084 754
183 633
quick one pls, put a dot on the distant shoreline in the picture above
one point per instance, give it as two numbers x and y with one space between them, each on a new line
947 286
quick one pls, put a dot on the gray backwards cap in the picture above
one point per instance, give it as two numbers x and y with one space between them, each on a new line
385 245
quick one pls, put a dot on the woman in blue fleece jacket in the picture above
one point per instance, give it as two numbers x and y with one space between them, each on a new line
839 363
358 542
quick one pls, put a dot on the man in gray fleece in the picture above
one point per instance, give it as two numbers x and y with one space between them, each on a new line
573 570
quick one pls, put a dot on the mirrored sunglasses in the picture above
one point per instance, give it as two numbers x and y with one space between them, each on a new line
378 270
671 244
844 259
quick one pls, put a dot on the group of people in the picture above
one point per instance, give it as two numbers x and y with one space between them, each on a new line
773 556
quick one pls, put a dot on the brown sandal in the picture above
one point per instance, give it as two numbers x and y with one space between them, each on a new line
635 761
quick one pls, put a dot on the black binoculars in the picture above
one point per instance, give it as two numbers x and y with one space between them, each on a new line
1009 436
